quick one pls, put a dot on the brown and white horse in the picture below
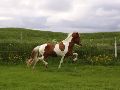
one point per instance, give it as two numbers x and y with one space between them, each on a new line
64 49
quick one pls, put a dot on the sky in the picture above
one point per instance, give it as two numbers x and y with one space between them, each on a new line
61 15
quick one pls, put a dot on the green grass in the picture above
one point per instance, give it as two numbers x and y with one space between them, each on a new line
69 77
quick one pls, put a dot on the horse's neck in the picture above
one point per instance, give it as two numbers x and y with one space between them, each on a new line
71 45
68 41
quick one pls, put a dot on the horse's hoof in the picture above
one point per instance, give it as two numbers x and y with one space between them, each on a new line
75 59
33 69
59 67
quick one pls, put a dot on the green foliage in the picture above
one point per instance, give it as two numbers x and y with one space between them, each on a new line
16 45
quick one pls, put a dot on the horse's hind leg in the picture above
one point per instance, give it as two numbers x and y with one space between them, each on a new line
42 59
35 62
29 62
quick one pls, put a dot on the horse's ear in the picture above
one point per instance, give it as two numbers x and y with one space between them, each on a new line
75 34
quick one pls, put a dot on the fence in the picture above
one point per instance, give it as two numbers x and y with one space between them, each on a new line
15 52
89 53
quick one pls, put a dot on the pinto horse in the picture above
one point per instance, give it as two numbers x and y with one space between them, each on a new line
64 49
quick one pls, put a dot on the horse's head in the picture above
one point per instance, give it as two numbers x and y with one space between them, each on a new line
76 38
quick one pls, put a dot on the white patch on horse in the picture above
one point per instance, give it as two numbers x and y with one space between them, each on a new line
42 49
59 52
66 43
36 48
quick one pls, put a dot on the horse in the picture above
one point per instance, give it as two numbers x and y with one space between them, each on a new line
63 49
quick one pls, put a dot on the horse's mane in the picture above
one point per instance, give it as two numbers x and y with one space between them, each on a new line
68 37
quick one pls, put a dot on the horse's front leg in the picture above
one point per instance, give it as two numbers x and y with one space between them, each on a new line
76 57
61 61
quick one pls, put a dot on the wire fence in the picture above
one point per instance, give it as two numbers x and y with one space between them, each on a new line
90 53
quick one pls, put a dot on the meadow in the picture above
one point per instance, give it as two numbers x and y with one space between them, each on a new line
96 68
69 77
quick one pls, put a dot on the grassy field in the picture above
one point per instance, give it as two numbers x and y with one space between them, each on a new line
69 77
96 68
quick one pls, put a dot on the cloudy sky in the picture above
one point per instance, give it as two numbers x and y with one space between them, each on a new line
61 15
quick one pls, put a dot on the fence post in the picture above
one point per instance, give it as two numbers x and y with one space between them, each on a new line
115 48
21 36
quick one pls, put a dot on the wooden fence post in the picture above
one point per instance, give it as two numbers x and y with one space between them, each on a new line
21 36
115 48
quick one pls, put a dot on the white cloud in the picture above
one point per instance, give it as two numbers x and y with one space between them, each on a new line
61 15
6 18
106 13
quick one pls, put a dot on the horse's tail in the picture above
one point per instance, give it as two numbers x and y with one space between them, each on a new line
35 52
33 56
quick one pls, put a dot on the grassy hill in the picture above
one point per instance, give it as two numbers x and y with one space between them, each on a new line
97 47
36 36
14 35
